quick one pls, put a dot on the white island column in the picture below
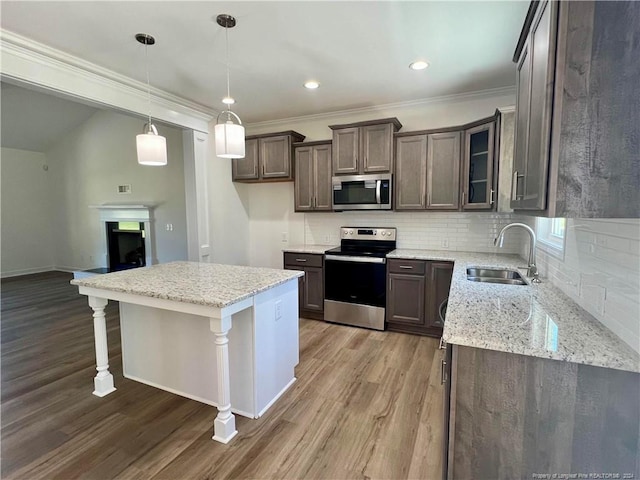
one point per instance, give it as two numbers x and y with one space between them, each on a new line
103 381
224 426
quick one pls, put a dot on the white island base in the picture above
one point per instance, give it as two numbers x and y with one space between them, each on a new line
239 357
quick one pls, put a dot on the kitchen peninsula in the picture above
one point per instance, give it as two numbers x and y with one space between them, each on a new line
176 326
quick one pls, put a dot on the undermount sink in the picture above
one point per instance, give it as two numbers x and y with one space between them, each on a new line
490 275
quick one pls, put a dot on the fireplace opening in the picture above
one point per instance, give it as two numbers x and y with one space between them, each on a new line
125 244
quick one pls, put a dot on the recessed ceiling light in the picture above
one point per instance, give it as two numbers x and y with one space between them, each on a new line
311 85
418 65
228 101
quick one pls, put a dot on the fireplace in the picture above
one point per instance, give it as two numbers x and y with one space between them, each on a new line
127 239
125 245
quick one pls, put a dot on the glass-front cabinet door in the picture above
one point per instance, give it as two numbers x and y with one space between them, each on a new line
477 176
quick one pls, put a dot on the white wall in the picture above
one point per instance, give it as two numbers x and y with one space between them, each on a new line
600 271
228 211
26 226
271 205
88 164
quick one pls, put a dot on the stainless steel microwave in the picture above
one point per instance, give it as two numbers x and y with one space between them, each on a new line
361 192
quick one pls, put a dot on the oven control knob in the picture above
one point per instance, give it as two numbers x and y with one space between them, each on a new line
350 232
384 232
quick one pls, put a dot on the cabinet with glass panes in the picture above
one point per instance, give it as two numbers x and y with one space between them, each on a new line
478 190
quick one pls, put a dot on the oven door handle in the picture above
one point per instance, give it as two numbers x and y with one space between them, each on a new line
347 258
378 185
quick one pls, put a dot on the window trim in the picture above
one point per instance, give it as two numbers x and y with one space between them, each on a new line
545 230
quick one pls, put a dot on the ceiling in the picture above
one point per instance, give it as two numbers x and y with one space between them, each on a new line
358 51
36 121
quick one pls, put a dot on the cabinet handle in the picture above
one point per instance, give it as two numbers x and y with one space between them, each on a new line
301 259
514 186
462 197
442 344
491 200
263 170
390 284
443 374
406 267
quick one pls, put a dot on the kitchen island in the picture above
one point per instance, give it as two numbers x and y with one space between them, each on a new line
176 326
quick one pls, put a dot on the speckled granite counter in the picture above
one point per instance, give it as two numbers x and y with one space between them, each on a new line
534 320
319 249
191 282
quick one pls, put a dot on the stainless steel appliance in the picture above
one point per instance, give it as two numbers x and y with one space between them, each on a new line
355 276
361 192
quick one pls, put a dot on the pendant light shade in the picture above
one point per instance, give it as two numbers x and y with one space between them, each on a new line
229 131
151 147
229 136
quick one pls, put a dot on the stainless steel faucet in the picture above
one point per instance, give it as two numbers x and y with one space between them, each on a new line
532 270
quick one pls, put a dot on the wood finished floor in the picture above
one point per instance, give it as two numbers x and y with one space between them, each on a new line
366 404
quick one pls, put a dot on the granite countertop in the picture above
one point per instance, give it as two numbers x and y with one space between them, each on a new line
319 249
537 320
207 284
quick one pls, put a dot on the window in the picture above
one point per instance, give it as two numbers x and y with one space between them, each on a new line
551 235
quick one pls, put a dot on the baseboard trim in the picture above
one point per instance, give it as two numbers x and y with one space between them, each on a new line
28 271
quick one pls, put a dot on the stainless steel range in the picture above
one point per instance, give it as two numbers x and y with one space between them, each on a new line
355 277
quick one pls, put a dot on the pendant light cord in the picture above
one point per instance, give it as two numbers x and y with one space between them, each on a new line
146 59
226 34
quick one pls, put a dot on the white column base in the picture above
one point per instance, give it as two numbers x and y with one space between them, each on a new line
103 385
224 430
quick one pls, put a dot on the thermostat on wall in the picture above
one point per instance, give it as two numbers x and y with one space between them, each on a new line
124 188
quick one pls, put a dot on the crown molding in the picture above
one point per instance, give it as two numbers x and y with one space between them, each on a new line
458 97
29 62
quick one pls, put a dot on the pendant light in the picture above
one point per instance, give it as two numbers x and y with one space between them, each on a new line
151 147
229 131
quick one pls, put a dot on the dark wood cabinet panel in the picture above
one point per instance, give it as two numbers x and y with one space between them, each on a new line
411 173
246 168
311 286
268 158
312 190
443 171
275 153
377 148
364 147
322 177
578 109
478 181
416 289
438 287
346 147
304 180
512 416
313 289
406 295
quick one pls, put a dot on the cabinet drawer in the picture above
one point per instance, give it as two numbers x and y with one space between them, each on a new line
303 259
417 267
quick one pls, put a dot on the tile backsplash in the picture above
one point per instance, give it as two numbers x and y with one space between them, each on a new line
600 271
422 230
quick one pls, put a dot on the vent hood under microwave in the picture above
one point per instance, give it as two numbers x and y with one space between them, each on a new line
361 192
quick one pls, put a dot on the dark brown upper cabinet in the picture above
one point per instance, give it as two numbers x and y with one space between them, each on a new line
578 111
268 158
478 179
312 190
364 147
427 171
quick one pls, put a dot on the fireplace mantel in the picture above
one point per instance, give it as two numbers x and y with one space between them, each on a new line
113 212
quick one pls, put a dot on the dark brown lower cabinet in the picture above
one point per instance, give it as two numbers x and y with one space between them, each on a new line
513 416
311 286
416 291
